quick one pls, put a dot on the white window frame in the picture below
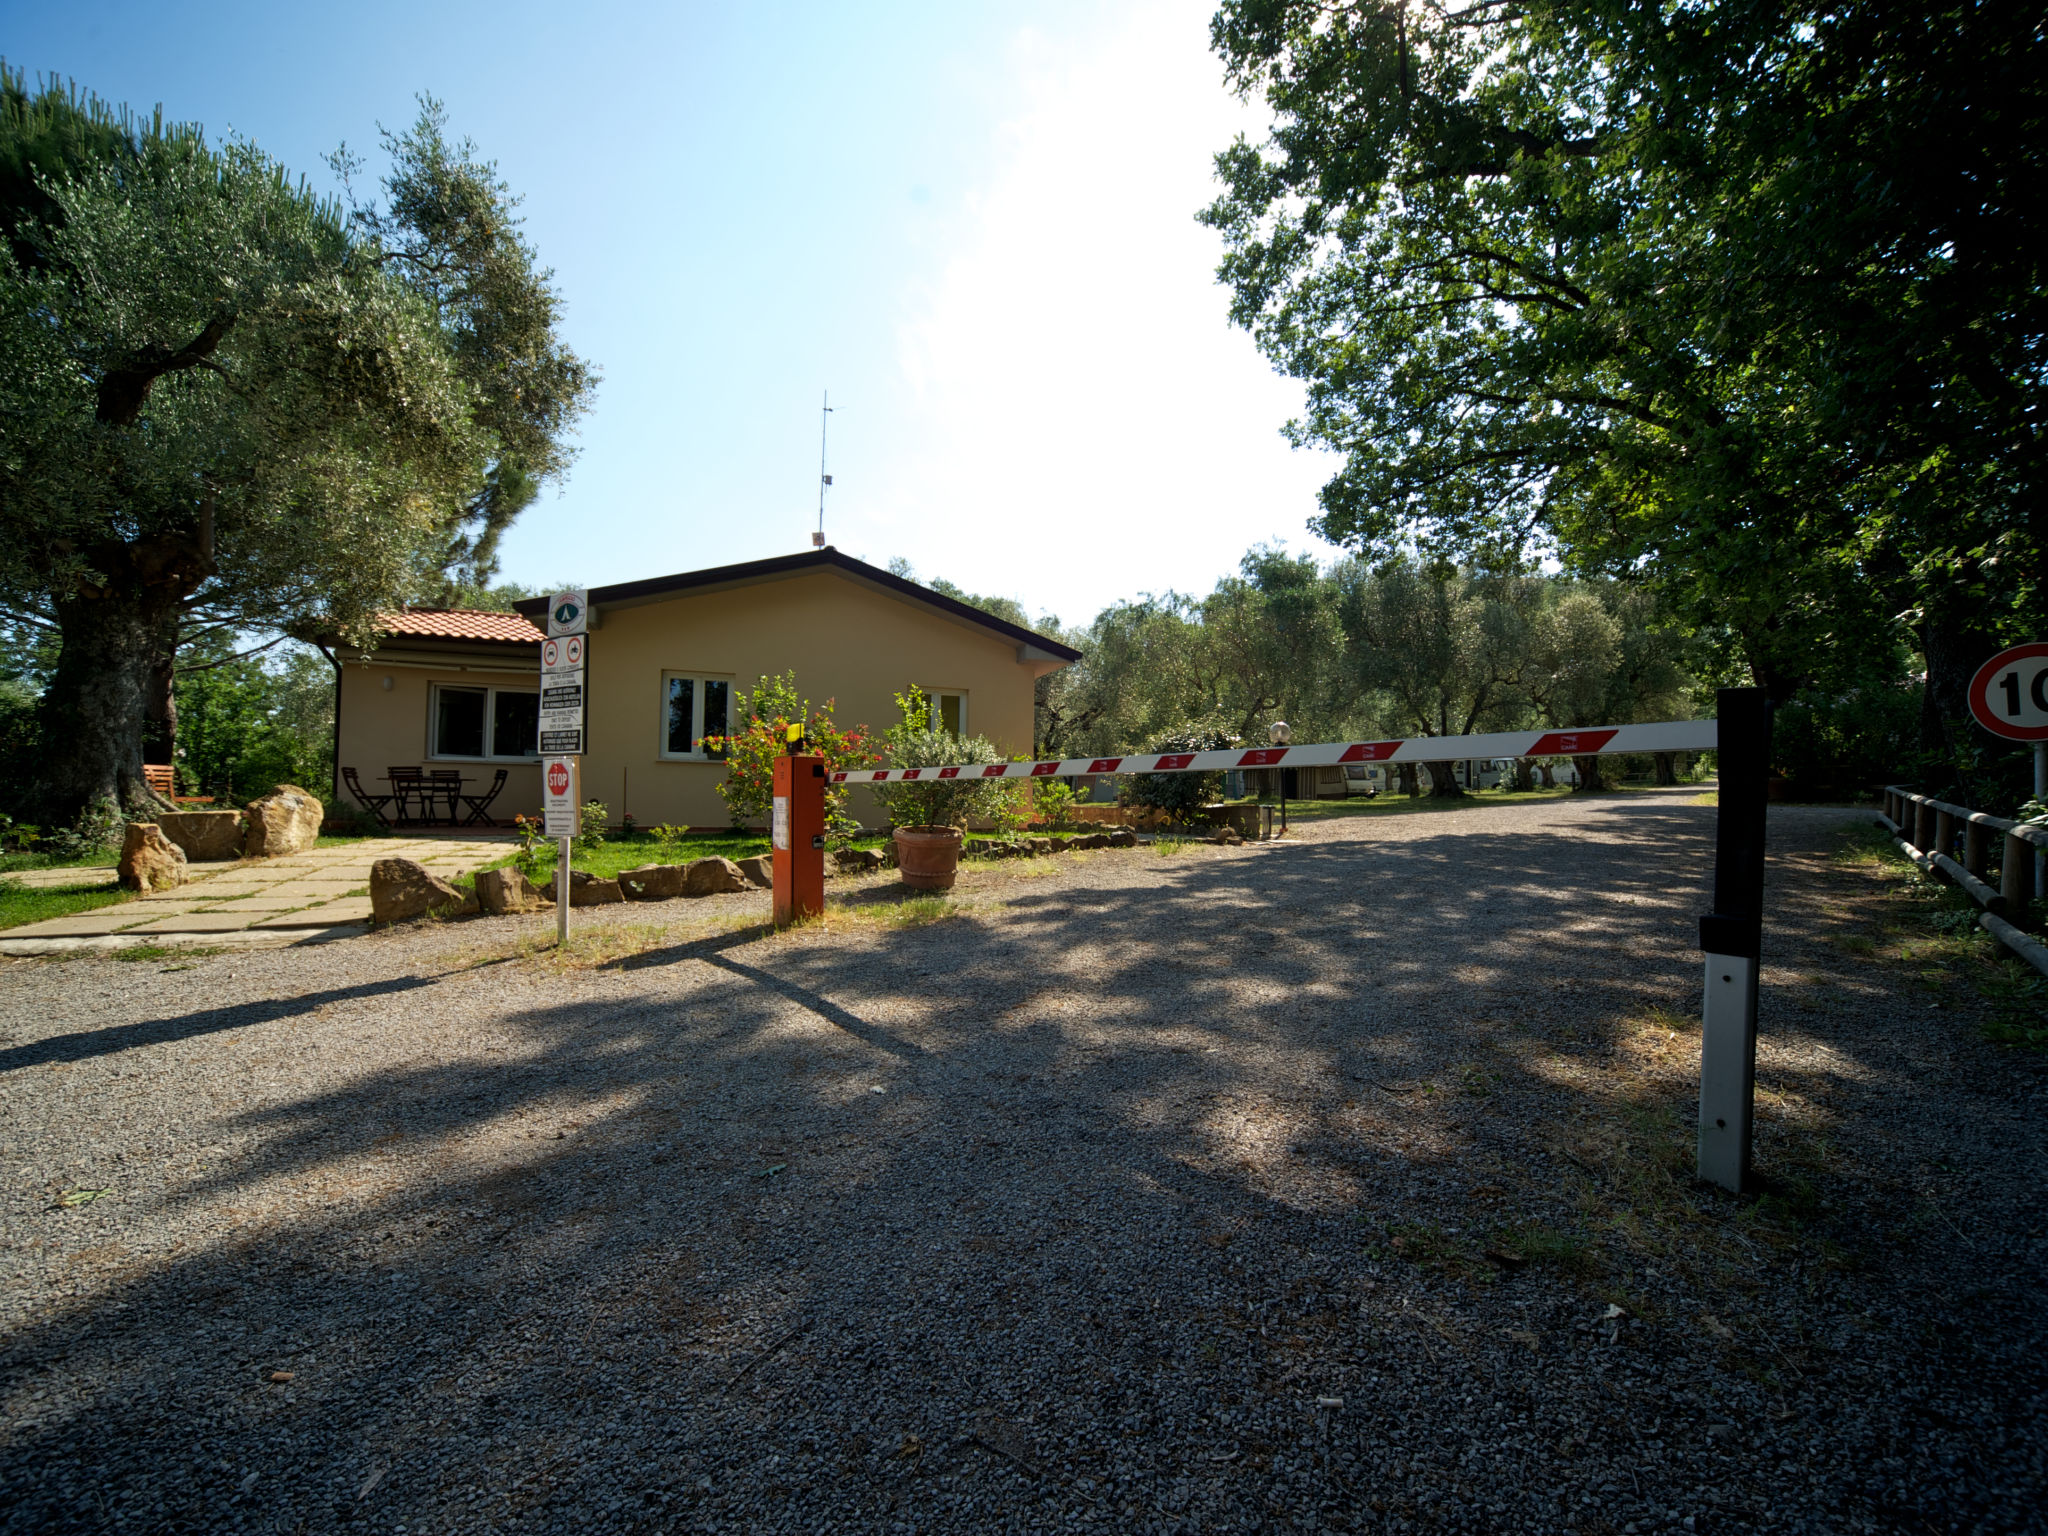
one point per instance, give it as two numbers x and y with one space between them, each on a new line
935 694
490 691
732 695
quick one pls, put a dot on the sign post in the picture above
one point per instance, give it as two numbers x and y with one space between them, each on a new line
2009 698
1732 936
564 657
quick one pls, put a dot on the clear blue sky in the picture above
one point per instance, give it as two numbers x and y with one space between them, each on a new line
974 224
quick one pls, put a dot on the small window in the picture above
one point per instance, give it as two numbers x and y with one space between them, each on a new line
691 709
501 724
949 711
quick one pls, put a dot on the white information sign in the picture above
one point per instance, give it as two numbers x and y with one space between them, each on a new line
558 796
780 828
562 691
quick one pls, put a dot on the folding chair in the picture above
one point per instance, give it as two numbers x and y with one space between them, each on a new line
406 784
479 805
444 784
374 804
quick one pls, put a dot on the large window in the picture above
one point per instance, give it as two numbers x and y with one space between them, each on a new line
691 709
486 724
949 711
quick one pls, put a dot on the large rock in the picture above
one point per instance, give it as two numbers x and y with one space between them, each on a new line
505 890
855 860
149 860
586 890
1123 837
286 820
708 877
759 870
401 890
653 882
206 837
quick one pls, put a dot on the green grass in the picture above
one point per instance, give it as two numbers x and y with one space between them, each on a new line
629 850
11 863
21 903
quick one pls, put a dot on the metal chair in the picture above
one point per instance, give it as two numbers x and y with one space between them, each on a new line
374 804
406 785
444 784
479 805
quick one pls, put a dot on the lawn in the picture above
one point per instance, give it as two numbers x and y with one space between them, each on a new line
21 903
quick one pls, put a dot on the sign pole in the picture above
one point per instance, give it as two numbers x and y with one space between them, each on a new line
1732 936
562 892
564 662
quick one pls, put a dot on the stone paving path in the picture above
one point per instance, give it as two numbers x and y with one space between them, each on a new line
320 892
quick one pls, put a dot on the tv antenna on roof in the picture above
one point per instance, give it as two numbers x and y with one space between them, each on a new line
824 480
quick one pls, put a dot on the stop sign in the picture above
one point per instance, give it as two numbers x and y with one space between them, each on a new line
558 778
2009 694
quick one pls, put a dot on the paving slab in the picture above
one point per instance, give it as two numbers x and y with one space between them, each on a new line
262 901
103 920
190 922
317 890
78 874
354 910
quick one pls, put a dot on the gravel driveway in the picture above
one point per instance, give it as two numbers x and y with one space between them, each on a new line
1340 1184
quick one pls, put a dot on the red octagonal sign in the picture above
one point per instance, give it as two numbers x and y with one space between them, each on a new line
558 778
2009 694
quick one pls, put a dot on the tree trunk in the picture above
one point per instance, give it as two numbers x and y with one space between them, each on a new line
1443 778
1525 776
160 721
1963 757
1590 780
92 714
1411 784
1549 772
1666 767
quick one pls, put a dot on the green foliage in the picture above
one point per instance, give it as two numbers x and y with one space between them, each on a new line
1699 294
594 823
914 742
1179 795
666 837
1837 745
766 713
234 404
1052 803
247 723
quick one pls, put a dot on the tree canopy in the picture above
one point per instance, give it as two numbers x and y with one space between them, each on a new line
1741 298
232 403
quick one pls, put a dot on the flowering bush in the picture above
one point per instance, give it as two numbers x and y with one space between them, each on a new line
914 742
750 754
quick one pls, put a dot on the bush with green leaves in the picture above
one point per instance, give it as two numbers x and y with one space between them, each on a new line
915 742
1180 796
594 821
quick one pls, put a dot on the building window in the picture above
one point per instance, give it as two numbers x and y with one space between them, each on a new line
486 724
691 709
949 711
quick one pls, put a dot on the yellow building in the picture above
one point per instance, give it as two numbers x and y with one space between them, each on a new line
456 693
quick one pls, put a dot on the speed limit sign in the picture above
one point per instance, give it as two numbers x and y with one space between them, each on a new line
2009 694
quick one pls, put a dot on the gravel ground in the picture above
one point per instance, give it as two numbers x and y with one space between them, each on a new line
1331 1185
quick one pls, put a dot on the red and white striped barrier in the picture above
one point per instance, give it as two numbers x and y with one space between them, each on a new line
1664 736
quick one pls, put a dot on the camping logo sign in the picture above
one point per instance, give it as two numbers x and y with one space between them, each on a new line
569 612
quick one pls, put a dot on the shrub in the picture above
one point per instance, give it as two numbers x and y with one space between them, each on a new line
1179 795
1052 802
750 754
594 821
914 742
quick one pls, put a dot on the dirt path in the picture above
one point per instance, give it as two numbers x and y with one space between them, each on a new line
1338 1184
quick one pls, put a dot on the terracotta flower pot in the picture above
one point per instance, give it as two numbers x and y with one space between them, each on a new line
928 857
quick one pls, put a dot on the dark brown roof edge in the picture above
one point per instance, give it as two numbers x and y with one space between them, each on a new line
780 565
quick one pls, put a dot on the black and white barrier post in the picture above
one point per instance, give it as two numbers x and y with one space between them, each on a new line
1732 936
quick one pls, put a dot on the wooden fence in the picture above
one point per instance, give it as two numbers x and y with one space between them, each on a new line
1932 832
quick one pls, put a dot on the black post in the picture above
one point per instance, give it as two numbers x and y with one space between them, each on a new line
1732 936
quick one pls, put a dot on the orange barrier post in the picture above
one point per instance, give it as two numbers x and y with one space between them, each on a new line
799 833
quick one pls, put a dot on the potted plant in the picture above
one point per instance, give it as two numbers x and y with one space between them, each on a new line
930 814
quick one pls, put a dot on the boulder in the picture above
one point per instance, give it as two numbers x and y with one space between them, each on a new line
1092 840
401 890
1123 837
857 860
505 890
588 891
653 882
759 870
284 821
708 877
149 860
205 837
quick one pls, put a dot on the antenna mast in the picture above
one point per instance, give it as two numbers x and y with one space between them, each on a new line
824 413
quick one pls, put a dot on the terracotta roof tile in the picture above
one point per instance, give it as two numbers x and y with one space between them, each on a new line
459 624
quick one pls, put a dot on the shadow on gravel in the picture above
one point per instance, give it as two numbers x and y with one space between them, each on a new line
1076 1213
84 1044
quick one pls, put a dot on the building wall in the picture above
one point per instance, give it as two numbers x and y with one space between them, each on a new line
845 641
385 728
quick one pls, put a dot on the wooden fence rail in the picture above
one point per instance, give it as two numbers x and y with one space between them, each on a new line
1928 832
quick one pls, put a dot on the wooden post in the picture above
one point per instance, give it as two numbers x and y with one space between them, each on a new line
1945 833
2016 876
1923 825
1732 937
1976 848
